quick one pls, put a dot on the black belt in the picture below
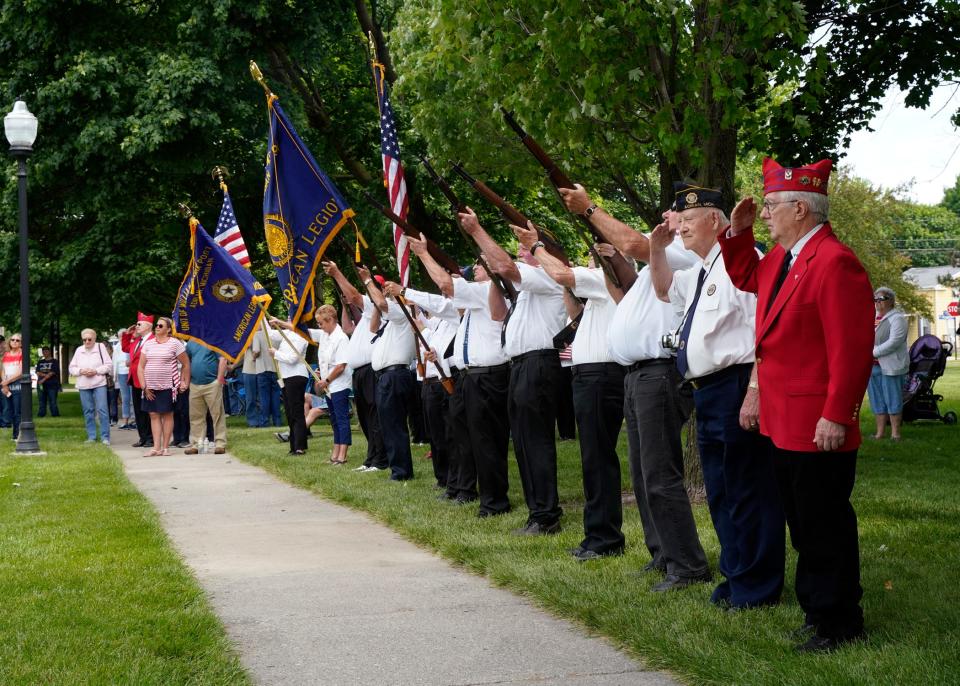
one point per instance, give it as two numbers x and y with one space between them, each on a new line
649 363
392 367
361 367
718 376
431 380
549 352
595 367
488 370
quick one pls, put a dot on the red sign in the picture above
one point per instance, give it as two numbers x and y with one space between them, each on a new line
953 309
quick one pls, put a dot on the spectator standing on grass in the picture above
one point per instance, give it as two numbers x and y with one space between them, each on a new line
891 362
48 383
162 380
10 384
335 381
90 365
207 371
5 409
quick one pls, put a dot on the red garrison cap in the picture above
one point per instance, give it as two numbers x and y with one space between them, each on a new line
379 279
812 178
141 317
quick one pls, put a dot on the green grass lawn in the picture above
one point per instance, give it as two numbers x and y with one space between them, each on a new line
92 592
906 498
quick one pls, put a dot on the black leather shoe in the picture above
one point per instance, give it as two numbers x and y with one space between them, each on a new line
822 644
672 582
445 496
803 633
585 555
538 529
484 514
139 444
654 566
464 500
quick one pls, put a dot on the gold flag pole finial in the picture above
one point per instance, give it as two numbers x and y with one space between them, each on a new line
258 77
220 173
185 210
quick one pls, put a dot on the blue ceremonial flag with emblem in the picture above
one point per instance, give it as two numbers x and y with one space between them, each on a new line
218 304
302 212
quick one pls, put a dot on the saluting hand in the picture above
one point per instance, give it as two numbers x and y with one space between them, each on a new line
743 215
576 198
661 237
527 236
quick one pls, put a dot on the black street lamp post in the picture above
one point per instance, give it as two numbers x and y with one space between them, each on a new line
20 127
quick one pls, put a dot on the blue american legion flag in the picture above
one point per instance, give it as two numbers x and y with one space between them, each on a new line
219 302
302 212
393 178
228 234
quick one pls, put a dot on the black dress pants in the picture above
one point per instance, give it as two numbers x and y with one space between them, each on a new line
181 418
294 389
815 489
485 391
418 424
655 410
461 470
436 411
365 400
598 403
142 418
534 388
394 394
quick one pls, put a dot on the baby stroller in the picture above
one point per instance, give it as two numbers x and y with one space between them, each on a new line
928 358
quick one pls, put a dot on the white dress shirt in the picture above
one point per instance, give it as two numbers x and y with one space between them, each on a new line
590 344
396 344
642 318
288 354
539 314
360 349
724 323
439 338
332 353
477 335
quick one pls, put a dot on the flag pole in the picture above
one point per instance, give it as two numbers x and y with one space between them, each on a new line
313 372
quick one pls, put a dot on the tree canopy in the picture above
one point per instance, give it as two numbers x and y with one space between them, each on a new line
137 101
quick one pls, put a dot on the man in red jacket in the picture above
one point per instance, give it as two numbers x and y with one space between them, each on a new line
813 357
131 342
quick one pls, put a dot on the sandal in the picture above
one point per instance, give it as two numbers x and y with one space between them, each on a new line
152 453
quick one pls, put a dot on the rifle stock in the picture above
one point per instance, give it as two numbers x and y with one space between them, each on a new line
505 286
617 269
512 214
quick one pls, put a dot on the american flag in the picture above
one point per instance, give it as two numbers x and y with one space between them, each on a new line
393 172
228 234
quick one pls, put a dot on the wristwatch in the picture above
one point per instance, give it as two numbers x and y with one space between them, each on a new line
533 248
367 282
590 210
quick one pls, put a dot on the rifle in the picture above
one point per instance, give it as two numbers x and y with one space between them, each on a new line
513 215
437 253
505 286
616 268
445 380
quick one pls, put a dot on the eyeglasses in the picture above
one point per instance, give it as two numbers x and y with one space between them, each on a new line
14 340
881 298
768 206
160 326
87 340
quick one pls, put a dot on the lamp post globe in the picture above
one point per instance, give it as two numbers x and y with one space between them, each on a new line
20 127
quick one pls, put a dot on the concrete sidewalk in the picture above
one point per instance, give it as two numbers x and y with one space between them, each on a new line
315 593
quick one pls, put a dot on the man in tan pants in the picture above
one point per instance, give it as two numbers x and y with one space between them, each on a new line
206 395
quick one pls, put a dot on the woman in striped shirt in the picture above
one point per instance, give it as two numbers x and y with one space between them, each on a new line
161 379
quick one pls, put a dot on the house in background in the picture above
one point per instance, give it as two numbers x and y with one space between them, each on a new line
927 280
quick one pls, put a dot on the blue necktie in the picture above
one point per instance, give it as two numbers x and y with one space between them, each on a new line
466 337
682 365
